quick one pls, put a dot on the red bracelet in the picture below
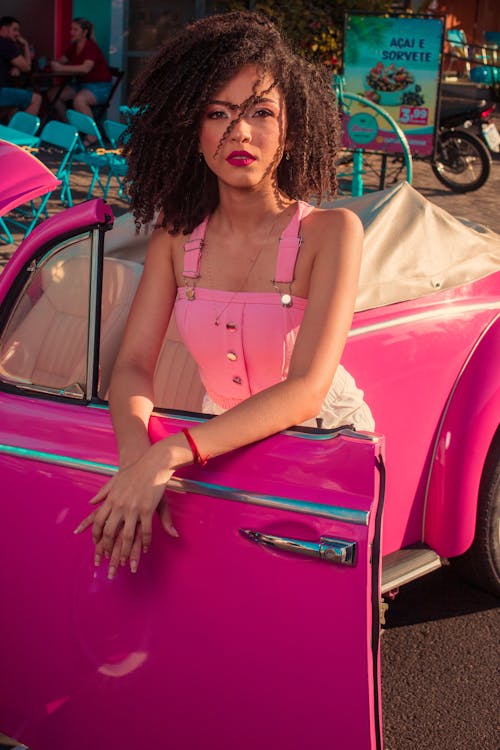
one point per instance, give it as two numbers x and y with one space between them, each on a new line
197 457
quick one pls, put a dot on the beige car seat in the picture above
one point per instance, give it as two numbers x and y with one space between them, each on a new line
177 384
49 345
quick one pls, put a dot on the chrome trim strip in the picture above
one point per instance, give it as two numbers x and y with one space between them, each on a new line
176 484
451 311
91 328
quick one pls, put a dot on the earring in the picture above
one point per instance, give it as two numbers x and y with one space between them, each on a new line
200 156
287 155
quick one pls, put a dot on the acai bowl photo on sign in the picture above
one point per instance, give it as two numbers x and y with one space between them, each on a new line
395 63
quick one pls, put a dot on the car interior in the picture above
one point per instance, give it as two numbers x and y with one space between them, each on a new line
45 342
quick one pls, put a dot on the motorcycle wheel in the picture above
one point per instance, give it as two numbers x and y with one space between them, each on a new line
462 161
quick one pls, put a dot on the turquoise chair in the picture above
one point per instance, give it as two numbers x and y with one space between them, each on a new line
116 134
492 38
25 122
479 60
5 233
95 160
61 139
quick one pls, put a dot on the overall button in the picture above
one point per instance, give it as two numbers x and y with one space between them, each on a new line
231 326
232 356
237 380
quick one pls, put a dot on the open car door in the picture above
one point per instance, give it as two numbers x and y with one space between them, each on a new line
257 628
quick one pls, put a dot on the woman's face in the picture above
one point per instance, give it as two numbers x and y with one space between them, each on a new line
250 153
76 32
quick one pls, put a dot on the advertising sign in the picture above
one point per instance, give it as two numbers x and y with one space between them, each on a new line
394 62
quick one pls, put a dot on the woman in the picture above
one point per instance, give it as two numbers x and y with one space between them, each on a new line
84 59
232 130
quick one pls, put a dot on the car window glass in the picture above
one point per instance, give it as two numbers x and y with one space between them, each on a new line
44 344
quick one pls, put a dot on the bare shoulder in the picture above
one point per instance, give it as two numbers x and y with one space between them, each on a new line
332 220
337 230
162 245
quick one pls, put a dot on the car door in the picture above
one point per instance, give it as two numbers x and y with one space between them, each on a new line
258 627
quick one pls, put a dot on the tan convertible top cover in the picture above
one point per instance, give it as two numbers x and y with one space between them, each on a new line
412 247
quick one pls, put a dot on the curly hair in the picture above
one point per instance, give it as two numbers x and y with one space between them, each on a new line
169 99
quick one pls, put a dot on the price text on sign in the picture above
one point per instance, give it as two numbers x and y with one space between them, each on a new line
414 115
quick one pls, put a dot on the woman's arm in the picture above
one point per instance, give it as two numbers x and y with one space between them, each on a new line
58 66
131 389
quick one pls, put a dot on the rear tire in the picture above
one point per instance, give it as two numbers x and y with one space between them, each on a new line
462 162
480 565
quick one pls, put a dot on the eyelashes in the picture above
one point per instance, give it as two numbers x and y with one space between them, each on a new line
221 114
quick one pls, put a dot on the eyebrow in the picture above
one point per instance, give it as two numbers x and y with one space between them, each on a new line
230 105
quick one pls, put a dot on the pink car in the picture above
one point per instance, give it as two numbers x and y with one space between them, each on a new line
259 627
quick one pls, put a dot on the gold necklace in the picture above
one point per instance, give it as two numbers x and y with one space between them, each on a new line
286 299
234 295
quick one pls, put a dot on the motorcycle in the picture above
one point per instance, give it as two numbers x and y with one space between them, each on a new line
465 137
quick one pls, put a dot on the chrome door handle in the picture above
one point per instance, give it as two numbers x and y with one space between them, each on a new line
328 549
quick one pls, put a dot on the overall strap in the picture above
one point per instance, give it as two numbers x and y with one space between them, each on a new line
290 242
192 251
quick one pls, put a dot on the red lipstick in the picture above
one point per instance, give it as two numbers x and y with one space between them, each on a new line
240 158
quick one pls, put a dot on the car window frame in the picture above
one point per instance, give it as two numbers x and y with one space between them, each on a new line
95 237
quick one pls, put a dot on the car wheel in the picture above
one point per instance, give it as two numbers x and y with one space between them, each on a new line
480 565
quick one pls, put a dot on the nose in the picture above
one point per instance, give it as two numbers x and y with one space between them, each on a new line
241 131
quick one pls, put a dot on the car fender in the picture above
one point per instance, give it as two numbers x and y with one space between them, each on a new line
469 423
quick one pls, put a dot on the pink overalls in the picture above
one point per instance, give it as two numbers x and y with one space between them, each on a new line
243 341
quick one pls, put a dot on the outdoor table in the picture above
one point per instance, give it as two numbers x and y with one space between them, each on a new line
17 136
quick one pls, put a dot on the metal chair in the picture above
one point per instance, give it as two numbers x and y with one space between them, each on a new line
100 109
61 139
478 61
25 122
94 160
116 133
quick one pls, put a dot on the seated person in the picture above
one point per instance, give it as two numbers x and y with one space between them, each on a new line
15 57
93 77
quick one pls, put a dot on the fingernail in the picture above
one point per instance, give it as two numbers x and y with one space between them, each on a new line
107 555
174 531
123 561
77 530
111 572
97 560
133 566
145 549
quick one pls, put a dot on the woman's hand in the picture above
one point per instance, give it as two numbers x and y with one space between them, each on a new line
56 66
116 559
122 525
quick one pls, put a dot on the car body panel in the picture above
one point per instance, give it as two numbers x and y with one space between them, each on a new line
408 362
466 433
24 177
215 636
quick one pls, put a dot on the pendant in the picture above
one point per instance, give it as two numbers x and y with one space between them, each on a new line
286 300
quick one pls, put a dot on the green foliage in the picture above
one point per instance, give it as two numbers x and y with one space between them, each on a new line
314 27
